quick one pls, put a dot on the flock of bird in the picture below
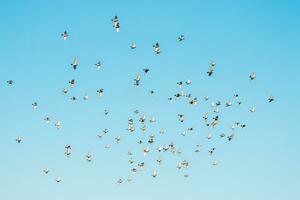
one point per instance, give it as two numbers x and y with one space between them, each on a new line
210 119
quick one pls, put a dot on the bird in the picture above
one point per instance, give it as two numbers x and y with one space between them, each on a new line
146 70
65 90
100 92
271 98
252 76
154 174
215 163
253 109
133 45
65 35
98 65
10 82
156 48
58 124
88 156
46 170
181 38
188 82
120 181
68 150
85 97
34 105
58 179
47 120
116 23
74 64
211 69
19 139
137 81
72 83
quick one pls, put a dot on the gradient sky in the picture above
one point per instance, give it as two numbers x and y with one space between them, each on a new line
262 162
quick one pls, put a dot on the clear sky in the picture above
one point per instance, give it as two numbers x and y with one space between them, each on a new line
261 162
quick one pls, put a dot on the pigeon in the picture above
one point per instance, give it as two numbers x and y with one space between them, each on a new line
137 81
133 45
98 65
120 181
211 69
75 63
181 38
228 104
58 124
116 23
253 109
10 82
100 92
181 117
88 156
252 76
73 98
72 83
215 163
188 82
146 151
58 179
65 35
65 90
118 139
34 105
146 70
271 98
68 150
209 136
179 83
86 97
154 174
46 170
156 48
47 120
19 139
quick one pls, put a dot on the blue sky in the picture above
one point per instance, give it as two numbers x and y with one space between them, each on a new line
262 161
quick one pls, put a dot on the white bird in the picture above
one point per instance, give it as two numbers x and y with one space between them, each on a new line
146 151
215 163
133 45
58 179
253 109
209 136
58 124
154 174
86 97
